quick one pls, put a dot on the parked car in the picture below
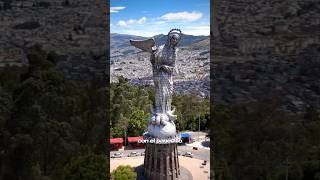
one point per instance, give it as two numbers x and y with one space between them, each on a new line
188 154
179 153
142 154
133 154
117 155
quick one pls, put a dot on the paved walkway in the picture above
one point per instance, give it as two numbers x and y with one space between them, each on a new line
199 136
198 171
200 144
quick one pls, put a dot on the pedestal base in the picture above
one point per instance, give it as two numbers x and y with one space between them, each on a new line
161 162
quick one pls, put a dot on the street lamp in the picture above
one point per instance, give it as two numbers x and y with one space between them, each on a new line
125 137
199 77
199 127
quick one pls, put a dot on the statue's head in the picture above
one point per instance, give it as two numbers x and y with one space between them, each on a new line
174 37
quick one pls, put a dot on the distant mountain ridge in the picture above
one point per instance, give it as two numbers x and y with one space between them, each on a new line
186 40
120 45
122 40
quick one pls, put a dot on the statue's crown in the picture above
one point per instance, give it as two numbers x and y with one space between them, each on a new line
174 31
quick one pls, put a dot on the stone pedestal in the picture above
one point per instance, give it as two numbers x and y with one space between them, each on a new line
161 162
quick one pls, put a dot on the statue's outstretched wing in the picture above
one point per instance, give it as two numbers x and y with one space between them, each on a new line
145 45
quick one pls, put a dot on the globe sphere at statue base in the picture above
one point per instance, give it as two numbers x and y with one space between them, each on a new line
162 131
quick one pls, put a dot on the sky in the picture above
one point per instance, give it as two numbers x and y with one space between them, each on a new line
151 17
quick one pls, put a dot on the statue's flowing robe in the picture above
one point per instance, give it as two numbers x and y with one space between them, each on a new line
163 62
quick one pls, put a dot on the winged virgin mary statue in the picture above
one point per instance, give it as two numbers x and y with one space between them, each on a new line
161 124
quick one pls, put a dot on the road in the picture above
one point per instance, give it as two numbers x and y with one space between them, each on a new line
202 154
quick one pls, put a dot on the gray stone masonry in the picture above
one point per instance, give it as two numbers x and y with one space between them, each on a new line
161 162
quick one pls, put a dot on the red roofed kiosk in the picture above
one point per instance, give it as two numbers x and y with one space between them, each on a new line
116 143
133 141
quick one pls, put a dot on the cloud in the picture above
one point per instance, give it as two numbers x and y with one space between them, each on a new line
160 22
142 20
149 29
197 30
181 16
116 9
122 23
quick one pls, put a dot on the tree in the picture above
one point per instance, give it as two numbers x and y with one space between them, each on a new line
46 120
295 172
5 107
19 159
259 141
86 167
123 173
138 122
118 129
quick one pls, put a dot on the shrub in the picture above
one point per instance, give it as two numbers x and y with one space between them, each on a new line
123 173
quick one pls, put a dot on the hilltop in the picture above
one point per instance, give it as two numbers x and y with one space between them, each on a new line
120 45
